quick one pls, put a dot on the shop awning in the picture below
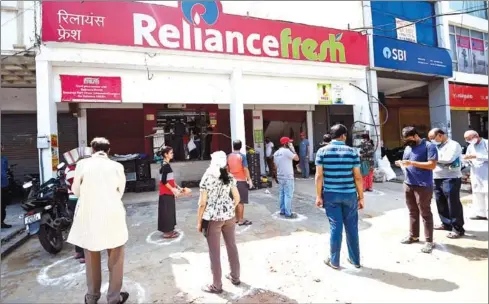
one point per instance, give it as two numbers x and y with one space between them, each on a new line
18 71
465 97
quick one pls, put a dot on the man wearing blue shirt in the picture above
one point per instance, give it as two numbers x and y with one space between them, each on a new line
5 191
304 155
339 189
419 160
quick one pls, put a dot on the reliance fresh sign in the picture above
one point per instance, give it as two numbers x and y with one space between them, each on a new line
197 26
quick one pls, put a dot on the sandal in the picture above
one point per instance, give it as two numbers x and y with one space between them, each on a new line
82 260
355 265
454 235
328 262
245 223
77 256
428 248
211 289
410 240
233 281
172 235
124 297
442 227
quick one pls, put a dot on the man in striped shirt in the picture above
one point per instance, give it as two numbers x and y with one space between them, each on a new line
339 190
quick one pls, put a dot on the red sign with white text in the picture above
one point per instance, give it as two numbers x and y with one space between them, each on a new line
90 89
198 26
468 98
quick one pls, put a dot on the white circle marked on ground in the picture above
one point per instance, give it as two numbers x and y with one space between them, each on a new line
299 217
242 229
374 193
76 271
134 289
161 241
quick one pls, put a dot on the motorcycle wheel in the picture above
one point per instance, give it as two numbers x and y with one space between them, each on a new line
51 240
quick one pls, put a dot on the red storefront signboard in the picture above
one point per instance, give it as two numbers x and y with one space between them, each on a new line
198 26
468 98
90 89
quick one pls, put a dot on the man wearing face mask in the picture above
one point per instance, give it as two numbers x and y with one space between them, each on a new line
448 180
476 156
419 159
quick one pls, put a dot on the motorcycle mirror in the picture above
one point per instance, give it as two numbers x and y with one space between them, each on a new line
27 185
60 166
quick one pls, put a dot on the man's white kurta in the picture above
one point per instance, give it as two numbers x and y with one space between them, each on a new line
100 216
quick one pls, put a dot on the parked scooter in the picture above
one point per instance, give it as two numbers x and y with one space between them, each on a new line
47 210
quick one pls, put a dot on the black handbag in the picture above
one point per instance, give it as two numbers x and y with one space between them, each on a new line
205 227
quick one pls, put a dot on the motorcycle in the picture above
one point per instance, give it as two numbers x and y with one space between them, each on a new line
47 211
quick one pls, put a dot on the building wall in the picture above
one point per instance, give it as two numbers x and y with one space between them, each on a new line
18 24
22 100
385 13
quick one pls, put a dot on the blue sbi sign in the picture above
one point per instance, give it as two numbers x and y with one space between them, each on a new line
405 56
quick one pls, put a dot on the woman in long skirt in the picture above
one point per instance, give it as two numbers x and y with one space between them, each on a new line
367 151
167 218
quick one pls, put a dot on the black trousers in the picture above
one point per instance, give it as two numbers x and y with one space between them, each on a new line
450 210
5 201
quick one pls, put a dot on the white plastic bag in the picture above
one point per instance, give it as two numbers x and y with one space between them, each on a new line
385 166
191 145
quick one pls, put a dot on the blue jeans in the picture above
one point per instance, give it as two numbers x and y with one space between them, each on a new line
286 192
304 165
342 209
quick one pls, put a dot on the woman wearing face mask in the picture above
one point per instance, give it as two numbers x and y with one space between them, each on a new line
367 151
216 216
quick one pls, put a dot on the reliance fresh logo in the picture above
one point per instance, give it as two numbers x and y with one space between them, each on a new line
195 35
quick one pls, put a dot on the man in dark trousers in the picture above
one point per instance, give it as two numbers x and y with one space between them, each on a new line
448 181
419 160
5 191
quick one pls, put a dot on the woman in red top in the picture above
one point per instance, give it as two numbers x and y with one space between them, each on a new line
167 218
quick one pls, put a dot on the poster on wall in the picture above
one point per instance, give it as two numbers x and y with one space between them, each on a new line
329 94
75 88
324 93
479 60
406 30
463 54
213 119
54 152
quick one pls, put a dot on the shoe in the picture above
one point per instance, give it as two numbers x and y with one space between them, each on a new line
355 265
328 262
82 260
474 218
409 240
292 216
6 226
428 247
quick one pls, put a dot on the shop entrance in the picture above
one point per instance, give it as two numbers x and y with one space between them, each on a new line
277 124
478 122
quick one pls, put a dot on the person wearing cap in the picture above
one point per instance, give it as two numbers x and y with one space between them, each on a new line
304 156
284 162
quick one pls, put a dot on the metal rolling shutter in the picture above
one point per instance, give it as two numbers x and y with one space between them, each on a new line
19 135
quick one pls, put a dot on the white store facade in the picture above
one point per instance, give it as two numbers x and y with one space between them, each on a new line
246 74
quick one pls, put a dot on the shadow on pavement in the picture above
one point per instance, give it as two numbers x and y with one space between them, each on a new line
405 280
255 295
470 253
481 236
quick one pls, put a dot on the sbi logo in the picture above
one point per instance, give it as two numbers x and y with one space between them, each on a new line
395 54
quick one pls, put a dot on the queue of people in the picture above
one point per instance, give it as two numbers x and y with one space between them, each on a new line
430 166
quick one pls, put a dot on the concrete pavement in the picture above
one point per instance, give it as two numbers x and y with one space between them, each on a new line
281 261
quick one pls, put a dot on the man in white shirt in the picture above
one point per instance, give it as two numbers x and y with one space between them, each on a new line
476 156
269 155
448 180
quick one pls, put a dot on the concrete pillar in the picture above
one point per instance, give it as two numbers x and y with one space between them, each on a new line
310 134
237 109
439 107
82 129
47 122
258 137
372 87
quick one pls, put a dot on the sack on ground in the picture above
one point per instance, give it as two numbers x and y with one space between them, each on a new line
379 176
385 166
